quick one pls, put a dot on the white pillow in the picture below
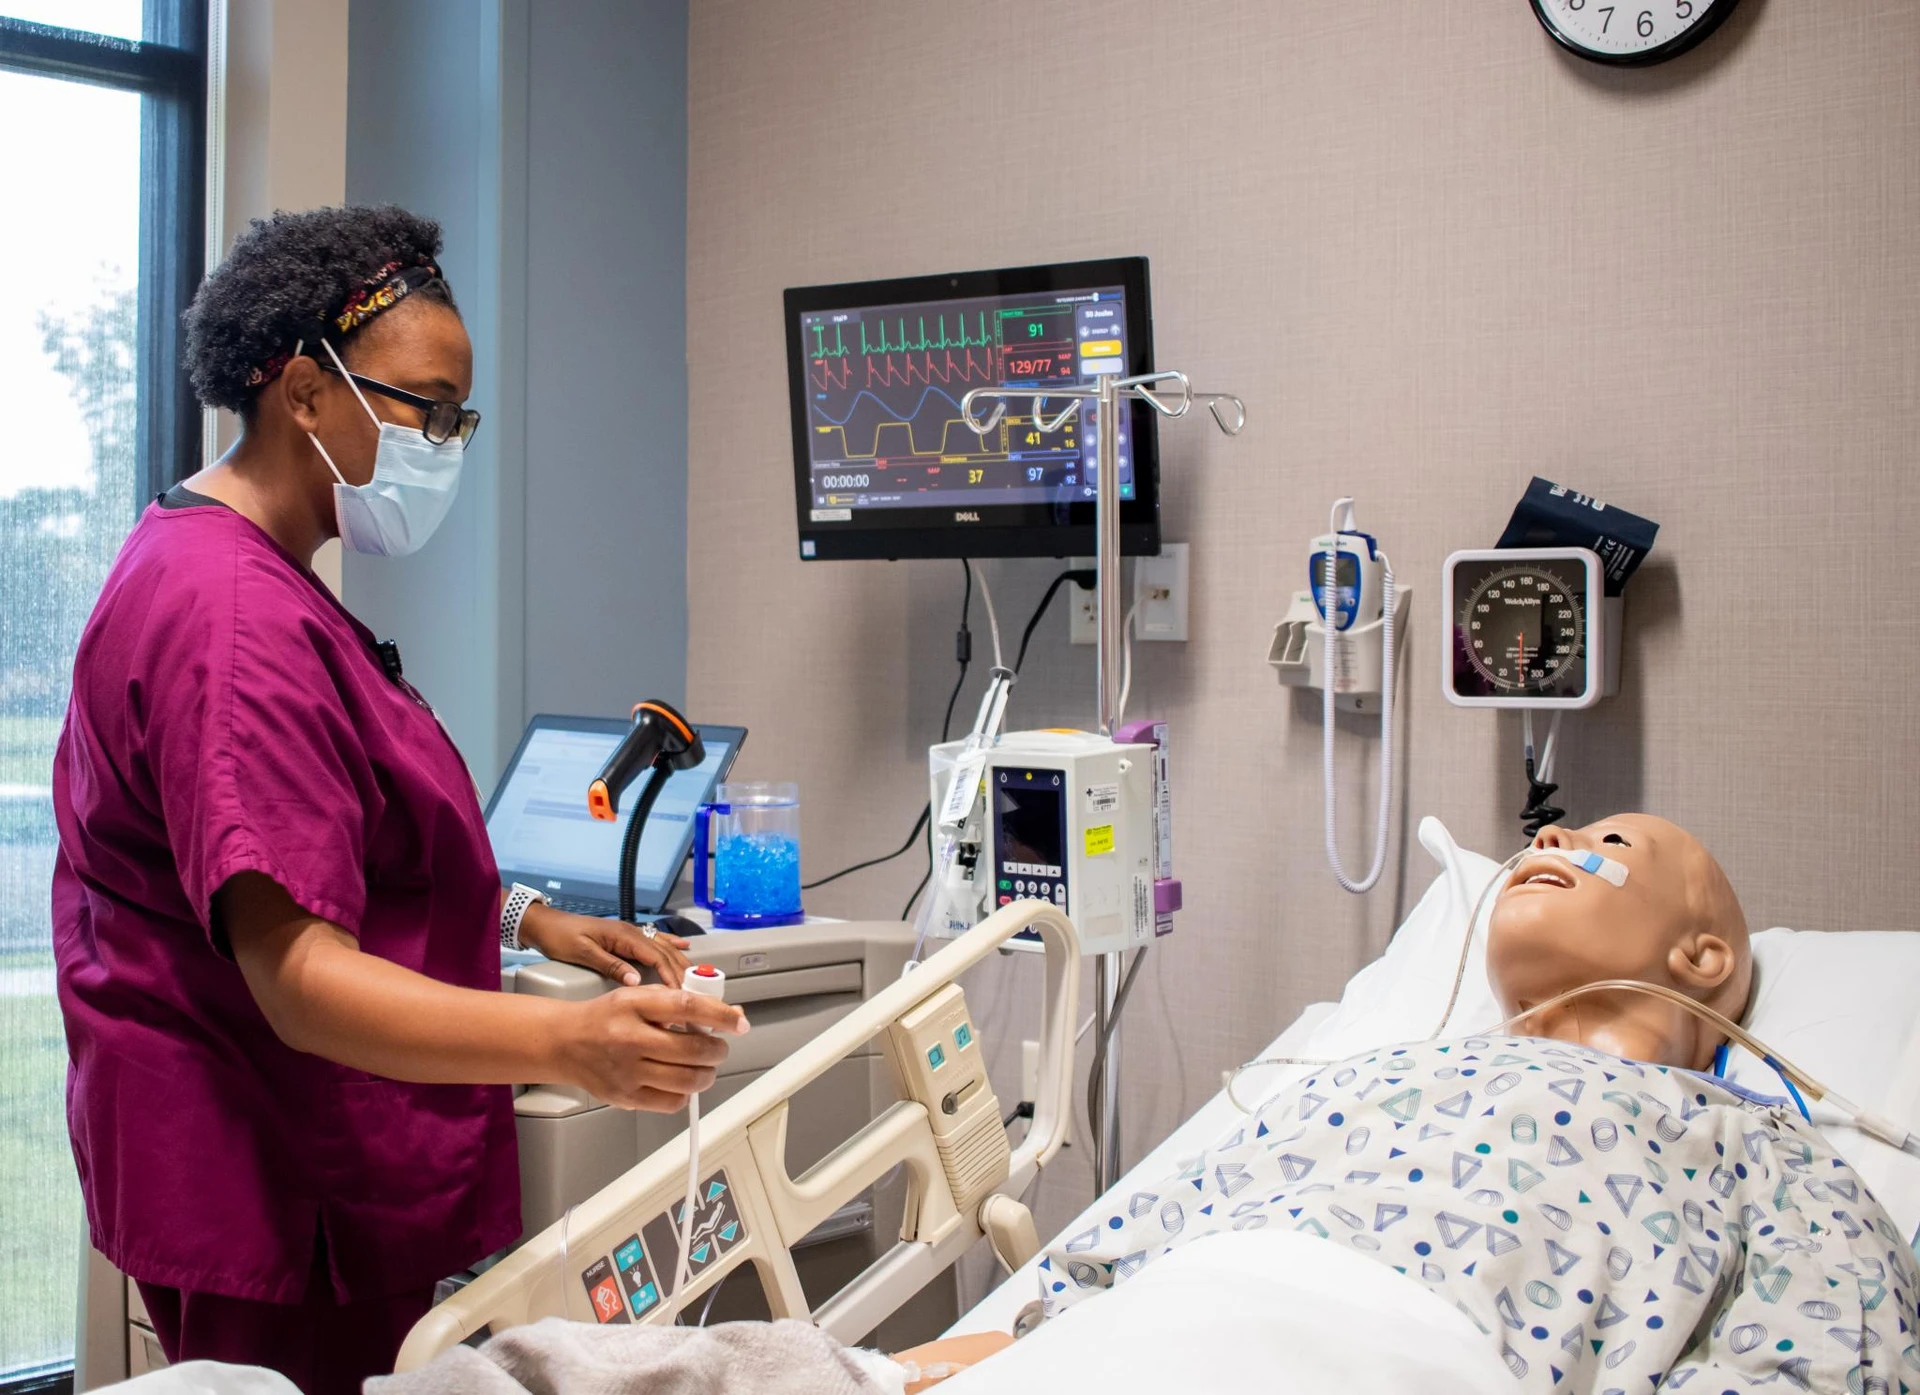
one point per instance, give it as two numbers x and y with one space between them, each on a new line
1837 1005
1840 1006
1400 995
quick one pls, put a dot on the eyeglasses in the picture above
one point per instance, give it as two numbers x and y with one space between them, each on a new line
445 420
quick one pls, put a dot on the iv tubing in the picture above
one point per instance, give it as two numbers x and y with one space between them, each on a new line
1329 591
993 621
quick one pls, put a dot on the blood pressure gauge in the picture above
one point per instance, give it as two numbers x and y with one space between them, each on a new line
1525 628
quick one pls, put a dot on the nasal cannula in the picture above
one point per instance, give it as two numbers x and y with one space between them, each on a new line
1880 1127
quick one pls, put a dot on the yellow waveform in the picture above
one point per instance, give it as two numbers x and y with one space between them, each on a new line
981 448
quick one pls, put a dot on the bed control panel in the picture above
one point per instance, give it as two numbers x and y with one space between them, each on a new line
938 1055
631 1283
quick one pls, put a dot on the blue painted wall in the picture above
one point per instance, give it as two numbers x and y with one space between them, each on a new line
550 142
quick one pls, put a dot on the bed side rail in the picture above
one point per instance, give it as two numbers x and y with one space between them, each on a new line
613 1258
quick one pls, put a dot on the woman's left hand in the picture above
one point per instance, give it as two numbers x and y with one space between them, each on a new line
607 947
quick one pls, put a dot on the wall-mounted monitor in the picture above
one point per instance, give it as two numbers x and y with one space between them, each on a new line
883 464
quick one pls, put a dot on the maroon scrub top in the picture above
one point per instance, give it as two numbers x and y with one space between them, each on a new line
229 715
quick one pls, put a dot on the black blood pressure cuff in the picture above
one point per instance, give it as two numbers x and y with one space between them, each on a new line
1552 515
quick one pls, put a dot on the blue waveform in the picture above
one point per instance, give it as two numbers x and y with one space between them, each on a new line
897 416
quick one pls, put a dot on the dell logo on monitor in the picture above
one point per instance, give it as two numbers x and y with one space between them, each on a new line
965 516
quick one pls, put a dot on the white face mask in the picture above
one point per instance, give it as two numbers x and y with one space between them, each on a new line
414 483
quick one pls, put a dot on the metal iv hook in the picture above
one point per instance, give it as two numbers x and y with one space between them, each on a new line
1233 419
1041 424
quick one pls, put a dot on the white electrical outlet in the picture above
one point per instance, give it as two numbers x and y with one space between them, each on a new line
1160 594
1083 607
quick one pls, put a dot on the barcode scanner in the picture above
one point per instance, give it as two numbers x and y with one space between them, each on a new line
660 740
658 737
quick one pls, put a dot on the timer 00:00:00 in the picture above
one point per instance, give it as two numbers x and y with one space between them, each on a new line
844 481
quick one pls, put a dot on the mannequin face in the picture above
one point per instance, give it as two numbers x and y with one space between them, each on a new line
1675 923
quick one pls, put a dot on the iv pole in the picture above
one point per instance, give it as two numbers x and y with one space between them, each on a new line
1171 395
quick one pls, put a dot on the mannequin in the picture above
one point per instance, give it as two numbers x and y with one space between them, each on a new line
1675 922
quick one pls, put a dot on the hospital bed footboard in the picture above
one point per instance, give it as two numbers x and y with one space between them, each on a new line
613 1258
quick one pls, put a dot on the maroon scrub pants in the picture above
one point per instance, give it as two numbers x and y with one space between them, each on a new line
323 1346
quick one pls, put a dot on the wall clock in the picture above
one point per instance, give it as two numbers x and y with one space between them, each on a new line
1630 33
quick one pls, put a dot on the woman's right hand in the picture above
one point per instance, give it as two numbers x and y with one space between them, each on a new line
617 1046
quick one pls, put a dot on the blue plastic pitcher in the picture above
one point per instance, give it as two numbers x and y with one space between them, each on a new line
749 875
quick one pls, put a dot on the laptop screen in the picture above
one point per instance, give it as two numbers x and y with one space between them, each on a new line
543 835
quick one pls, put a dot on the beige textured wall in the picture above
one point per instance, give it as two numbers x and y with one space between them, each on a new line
1434 256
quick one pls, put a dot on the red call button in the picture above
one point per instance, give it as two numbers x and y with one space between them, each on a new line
606 1300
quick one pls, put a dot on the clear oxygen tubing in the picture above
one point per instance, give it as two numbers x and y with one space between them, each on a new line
1866 1120
1453 994
1328 591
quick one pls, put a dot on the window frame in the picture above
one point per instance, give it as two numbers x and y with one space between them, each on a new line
168 68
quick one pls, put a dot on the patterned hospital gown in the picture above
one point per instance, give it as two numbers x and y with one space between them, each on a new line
1611 1226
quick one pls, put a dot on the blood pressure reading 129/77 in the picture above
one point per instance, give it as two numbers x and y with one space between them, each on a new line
1520 628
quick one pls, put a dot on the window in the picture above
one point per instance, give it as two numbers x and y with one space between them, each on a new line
102 106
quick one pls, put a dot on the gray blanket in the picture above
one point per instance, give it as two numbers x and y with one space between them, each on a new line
556 1357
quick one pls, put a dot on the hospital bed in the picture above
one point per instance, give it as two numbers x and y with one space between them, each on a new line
1838 1004
613 1257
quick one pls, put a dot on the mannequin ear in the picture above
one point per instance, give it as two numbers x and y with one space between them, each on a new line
1704 963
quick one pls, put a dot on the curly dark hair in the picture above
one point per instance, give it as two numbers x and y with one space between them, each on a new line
283 274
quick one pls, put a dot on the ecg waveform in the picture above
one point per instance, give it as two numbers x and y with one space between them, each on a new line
903 370
904 341
886 388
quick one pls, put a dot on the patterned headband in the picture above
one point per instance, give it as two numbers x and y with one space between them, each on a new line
385 289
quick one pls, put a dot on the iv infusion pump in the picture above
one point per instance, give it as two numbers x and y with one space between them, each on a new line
1064 817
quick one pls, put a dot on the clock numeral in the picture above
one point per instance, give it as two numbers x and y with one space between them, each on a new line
1576 4
1606 10
1683 9
1645 23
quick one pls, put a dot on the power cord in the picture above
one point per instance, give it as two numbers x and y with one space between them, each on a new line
963 655
963 652
926 812
1096 1076
1082 577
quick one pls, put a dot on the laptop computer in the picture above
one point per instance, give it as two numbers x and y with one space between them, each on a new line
542 834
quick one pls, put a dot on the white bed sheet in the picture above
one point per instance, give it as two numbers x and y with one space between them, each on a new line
997 1311
1254 1310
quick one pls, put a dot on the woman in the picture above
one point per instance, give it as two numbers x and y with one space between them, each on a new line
276 916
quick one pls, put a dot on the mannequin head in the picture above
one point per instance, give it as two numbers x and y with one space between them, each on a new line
1676 922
